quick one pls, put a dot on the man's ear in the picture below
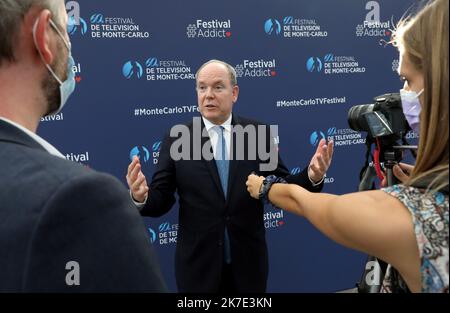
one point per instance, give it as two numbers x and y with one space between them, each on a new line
235 93
42 37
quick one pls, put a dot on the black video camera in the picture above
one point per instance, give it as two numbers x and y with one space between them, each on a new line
382 118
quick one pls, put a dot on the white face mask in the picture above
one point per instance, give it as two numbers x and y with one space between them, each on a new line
411 108
67 87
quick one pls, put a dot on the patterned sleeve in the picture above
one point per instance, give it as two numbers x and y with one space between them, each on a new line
430 217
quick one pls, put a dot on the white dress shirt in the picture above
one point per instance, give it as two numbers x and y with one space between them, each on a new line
214 136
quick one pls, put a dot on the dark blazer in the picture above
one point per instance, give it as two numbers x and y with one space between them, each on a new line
204 213
53 211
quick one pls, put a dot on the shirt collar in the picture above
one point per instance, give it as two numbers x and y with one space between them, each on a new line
47 146
226 124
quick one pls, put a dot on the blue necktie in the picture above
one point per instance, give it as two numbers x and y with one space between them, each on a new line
223 166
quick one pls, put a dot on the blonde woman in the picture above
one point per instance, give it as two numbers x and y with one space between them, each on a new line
405 225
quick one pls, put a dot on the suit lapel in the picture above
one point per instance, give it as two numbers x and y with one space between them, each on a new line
10 133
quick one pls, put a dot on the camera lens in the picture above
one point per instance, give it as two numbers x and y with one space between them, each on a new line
356 119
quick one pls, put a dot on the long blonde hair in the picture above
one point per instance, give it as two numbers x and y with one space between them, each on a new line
424 38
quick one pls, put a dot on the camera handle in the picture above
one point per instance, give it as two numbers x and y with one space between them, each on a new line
391 158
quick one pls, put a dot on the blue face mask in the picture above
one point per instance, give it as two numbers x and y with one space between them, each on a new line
67 87
411 107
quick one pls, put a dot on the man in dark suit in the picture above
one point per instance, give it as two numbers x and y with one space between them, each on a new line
63 227
221 243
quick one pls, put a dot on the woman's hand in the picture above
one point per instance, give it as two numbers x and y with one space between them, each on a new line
402 171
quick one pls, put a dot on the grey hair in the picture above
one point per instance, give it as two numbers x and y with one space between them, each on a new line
231 70
12 13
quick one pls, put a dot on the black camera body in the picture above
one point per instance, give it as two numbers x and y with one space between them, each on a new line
382 119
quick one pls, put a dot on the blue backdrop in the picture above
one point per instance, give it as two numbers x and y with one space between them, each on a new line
301 66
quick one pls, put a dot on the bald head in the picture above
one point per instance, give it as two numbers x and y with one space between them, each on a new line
230 69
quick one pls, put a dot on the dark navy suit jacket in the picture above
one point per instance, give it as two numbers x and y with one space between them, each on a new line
53 212
205 212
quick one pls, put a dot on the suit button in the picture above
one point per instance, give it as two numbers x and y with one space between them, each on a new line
228 218
220 243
